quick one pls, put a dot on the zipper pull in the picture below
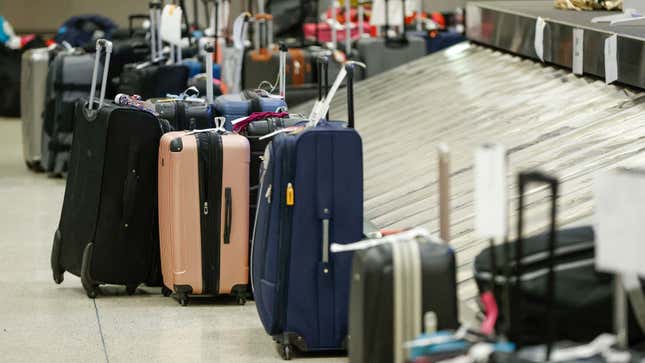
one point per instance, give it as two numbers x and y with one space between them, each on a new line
290 195
267 195
205 208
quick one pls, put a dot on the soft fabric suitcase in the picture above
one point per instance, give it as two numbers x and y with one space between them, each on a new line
203 213
35 65
108 230
311 193
384 53
68 80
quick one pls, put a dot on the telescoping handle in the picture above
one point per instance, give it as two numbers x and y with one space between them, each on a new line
401 40
263 31
323 79
444 192
100 45
348 27
209 48
154 30
283 70
524 180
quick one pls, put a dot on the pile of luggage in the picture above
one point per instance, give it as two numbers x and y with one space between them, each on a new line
210 188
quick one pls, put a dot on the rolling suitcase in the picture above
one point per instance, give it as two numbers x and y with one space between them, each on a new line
404 280
203 213
311 193
384 53
35 65
108 230
154 78
68 80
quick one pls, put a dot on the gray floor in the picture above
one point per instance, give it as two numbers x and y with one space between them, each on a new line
43 322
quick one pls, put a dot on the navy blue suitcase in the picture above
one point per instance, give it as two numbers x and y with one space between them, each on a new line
311 193
240 105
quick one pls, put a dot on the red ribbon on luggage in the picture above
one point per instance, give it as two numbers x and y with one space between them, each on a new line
492 311
256 116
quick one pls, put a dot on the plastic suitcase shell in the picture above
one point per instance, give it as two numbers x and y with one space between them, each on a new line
235 106
35 65
203 213
372 318
380 57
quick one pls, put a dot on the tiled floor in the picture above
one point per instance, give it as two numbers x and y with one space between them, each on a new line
44 322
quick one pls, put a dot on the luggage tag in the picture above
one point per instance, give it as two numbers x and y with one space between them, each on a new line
171 24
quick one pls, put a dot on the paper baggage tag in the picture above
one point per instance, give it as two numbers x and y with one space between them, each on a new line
611 59
619 210
540 24
171 24
491 204
578 51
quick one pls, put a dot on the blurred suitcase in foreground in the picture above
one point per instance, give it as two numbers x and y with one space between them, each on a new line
35 65
69 79
311 194
397 285
108 230
203 213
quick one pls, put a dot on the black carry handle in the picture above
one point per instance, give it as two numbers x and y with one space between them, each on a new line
132 18
350 66
536 177
400 41
323 76
228 215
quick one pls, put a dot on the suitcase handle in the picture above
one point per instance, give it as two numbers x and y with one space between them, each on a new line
228 215
100 44
350 67
524 179
444 192
210 50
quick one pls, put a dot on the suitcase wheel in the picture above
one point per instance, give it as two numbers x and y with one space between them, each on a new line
183 299
92 291
241 300
166 291
57 270
34 166
131 289
286 351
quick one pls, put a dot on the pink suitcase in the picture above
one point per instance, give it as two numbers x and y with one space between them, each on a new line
324 32
204 214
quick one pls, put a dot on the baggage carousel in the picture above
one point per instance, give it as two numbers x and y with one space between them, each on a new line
511 26
467 95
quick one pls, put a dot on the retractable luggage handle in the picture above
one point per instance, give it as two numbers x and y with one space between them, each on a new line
154 30
283 70
210 50
323 76
100 44
524 179
401 40
348 27
444 192
350 67
361 18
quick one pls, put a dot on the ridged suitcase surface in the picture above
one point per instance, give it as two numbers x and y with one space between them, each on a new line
393 286
35 64
311 193
203 213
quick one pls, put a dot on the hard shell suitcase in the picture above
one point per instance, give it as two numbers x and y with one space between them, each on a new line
203 213
384 53
398 283
108 230
68 80
35 65
311 193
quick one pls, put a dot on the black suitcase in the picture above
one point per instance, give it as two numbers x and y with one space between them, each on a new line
393 286
108 231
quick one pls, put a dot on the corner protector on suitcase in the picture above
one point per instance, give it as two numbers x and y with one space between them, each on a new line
176 145
90 286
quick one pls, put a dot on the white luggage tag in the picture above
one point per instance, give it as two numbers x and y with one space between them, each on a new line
620 206
171 24
490 199
395 238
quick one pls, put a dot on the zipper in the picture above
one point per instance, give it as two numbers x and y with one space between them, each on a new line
286 218
209 146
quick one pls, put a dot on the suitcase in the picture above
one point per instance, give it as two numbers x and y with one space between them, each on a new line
311 193
154 78
396 286
240 105
108 231
203 214
68 80
384 53
439 40
35 65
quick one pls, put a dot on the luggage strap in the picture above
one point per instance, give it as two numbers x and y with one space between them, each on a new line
636 298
